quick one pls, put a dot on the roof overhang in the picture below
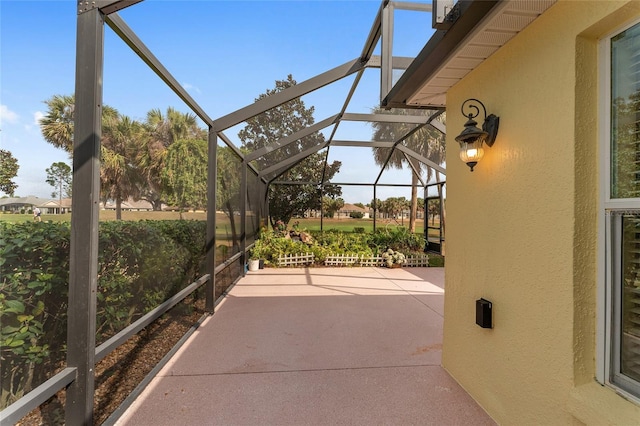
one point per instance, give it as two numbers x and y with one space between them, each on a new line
483 27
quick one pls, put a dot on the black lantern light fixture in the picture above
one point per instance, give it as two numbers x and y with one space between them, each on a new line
472 138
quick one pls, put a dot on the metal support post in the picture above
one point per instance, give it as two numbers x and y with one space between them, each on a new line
386 67
212 182
243 216
375 208
321 211
83 274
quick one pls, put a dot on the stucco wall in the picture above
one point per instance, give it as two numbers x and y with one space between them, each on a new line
522 228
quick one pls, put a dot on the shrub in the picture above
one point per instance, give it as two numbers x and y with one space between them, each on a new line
34 272
140 264
356 215
398 238
358 230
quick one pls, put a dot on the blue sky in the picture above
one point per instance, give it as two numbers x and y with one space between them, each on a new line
225 53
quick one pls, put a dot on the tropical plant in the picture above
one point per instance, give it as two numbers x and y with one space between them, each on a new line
395 206
8 170
331 205
426 141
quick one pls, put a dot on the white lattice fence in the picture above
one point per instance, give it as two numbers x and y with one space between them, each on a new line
348 260
351 260
341 260
372 261
296 259
417 261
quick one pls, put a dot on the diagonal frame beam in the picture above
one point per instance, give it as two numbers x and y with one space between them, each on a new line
298 157
415 170
292 138
118 25
421 158
287 95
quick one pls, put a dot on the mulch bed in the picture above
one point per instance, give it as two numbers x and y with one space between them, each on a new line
123 369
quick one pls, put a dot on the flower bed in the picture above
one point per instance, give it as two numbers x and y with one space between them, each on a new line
295 247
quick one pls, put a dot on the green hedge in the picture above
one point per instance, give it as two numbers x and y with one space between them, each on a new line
140 265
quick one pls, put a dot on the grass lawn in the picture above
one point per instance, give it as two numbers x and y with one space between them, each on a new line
348 225
109 215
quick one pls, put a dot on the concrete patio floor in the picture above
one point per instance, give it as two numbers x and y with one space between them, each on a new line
320 346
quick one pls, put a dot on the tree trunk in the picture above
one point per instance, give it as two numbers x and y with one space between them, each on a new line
414 203
60 198
118 209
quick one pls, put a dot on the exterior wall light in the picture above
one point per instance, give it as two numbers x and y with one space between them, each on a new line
472 138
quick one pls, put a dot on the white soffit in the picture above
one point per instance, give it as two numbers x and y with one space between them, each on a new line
506 20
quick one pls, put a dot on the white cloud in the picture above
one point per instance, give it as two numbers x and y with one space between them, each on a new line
34 127
191 87
7 116
37 116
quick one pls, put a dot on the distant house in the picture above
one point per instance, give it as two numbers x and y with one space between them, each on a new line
19 204
348 209
56 206
128 205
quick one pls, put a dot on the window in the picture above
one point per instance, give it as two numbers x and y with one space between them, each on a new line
621 208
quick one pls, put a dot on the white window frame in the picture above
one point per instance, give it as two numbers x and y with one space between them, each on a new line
607 256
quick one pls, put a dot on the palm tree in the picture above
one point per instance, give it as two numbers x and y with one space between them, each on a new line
57 124
173 126
119 175
427 142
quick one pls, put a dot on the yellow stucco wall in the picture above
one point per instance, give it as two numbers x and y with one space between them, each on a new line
522 228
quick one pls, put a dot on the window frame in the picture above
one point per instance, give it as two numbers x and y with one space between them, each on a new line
610 237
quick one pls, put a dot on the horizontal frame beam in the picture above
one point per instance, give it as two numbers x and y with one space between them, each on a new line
397 62
364 144
416 7
111 6
387 118
400 185
32 400
105 349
